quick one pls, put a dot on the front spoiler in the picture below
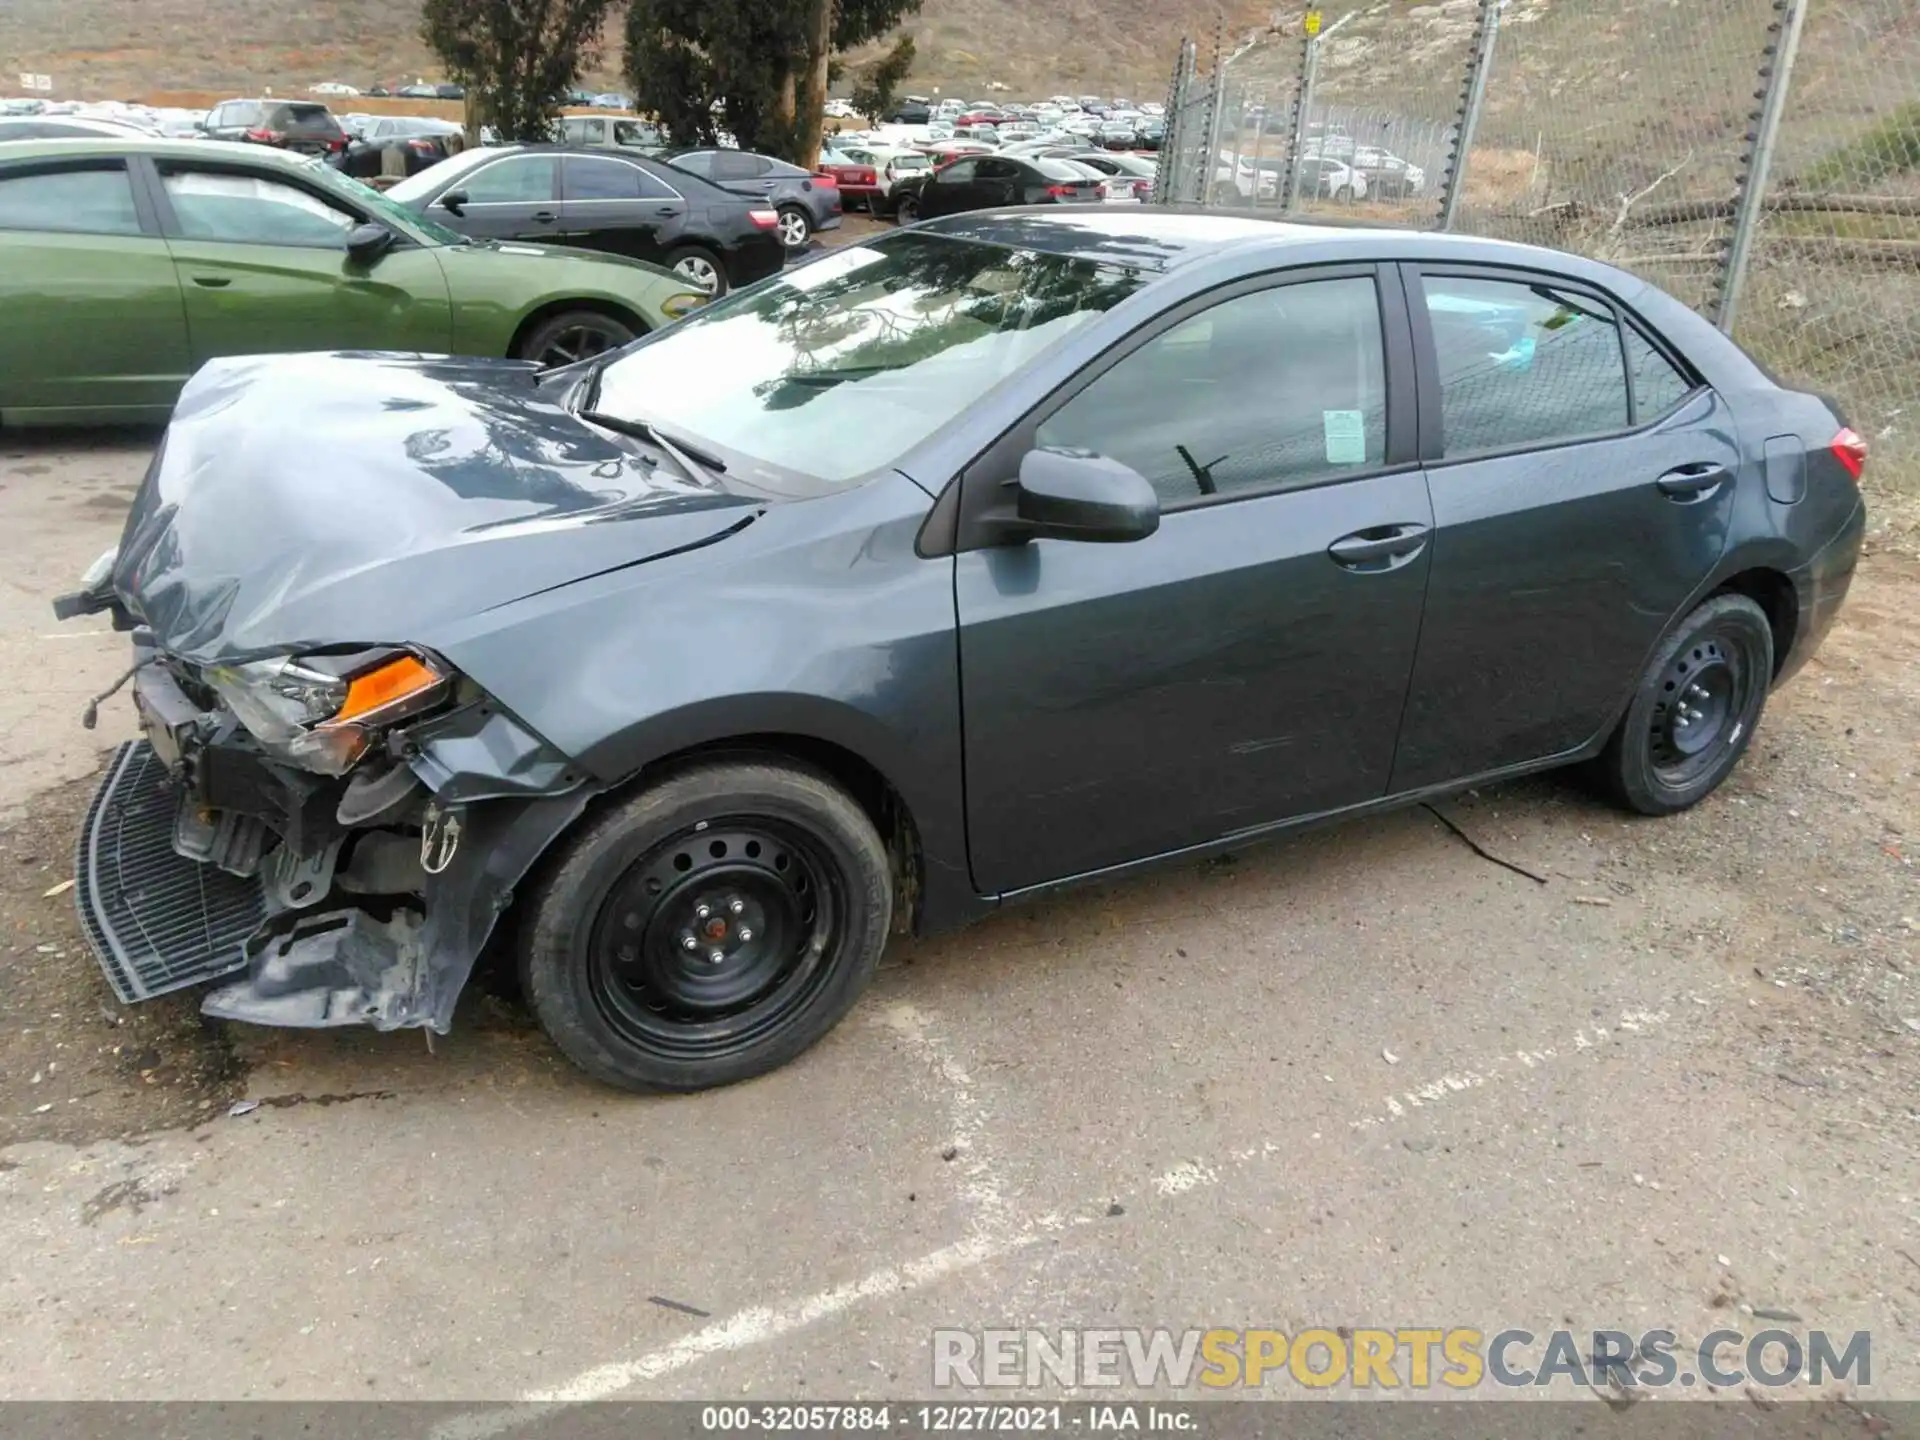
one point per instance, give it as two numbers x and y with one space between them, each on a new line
159 921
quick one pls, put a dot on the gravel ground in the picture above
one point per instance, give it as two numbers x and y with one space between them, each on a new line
1361 1077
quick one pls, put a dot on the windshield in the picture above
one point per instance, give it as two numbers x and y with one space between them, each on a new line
385 207
840 367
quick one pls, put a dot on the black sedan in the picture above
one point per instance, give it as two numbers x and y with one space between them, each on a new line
399 145
805 200
986 557
624 203
981 182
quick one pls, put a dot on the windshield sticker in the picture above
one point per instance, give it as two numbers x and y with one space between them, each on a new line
1346 432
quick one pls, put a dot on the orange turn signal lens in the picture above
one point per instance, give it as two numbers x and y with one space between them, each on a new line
388 685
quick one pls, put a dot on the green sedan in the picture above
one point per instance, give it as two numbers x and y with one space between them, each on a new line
126 263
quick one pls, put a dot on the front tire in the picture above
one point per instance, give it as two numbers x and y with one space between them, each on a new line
907 212
769 867
1694 712
572 336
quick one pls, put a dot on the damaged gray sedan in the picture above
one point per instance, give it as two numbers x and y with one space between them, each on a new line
989 556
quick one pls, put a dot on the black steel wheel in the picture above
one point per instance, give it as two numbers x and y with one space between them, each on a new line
1694 712
709 929
576 335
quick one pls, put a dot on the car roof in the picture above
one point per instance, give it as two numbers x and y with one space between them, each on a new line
184 149
1164 239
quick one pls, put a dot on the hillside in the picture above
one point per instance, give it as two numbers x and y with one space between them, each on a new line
127 49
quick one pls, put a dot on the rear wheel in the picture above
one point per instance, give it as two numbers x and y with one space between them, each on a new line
701 267
796 227
1694 713
572 336
709 929
907 212
1344 195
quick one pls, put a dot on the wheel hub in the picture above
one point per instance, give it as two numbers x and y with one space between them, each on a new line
1697 704
709 925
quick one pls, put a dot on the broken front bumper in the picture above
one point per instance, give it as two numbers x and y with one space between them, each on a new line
332 924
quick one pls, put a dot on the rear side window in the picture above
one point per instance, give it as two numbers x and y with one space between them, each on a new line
1658 384
611 180
1523 364
734 165
96 201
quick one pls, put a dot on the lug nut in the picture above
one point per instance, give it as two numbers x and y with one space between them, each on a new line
737 906
702 911
745 933
687 942
714 957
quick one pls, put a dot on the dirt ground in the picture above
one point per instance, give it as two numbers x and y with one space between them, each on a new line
1666 1076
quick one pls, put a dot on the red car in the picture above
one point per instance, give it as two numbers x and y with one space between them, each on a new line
982 117
857 177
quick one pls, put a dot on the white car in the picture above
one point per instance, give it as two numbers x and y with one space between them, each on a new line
331 87
839 109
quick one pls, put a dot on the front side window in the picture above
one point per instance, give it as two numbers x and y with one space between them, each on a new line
1523 364
839 367
96 200
521 180
1275 390
251 209
958 173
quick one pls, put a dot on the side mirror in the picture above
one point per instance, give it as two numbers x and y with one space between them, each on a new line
454 202
367 243
1077 495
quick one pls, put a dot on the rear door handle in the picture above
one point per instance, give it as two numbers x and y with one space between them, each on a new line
545 217
1691 482
213 282
1379 547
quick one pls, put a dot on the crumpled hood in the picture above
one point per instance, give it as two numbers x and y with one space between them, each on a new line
308 500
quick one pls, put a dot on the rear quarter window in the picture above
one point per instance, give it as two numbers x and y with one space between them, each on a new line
85 201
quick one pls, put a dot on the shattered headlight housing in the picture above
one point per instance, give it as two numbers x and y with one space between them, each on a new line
320 712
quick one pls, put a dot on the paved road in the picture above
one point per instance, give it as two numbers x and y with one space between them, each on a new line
1362 1078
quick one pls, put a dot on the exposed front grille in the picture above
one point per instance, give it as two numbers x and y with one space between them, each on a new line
157 921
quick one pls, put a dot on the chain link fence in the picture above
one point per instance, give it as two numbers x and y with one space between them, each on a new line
1759 159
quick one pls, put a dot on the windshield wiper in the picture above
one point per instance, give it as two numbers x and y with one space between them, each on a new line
698 464
702 465
824 378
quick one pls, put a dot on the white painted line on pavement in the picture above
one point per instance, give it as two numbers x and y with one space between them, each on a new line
995 1234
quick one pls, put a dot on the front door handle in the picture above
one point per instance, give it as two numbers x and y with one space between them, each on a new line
213 282
544 217
1379 547
1691 482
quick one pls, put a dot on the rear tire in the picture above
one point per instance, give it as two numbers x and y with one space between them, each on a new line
572 336
907 212
700 266
1694 712
769 866
796 227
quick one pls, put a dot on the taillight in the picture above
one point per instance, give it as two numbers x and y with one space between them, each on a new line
765 219
1061 192
1850 449
262 134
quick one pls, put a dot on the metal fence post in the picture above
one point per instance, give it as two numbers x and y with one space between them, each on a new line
1210 159
1776 80
1289 196
1473 99
1166 178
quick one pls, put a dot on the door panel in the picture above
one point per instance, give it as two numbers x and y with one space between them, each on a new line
619 207
93 318
514 198
1226 673
1248 662
1555 570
